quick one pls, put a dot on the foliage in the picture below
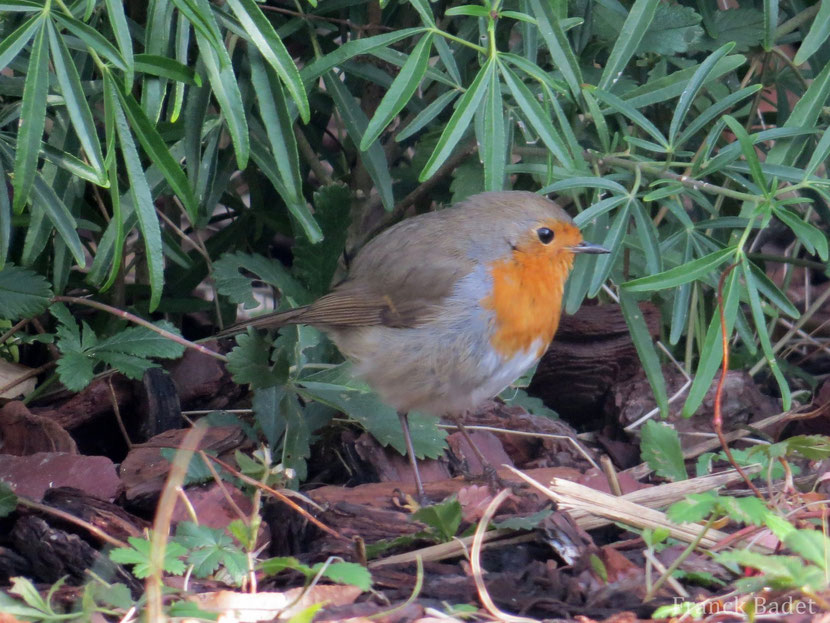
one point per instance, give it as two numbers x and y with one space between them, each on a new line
341 572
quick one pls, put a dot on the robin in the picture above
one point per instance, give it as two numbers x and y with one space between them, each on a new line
444 310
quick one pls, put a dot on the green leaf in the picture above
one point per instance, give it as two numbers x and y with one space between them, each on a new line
811 545
715 110
494 140
528 522
23 293
45 198
635 27
153 144
673 30
536 116
166 68
94 39
682 274
711 354
320 66
231 283
624 108
140 193
816 36
459 121
11 44
804 115
427 115
400 92
374 158
748 150
138 555
660 448
226 91
820 153
695 84
8 500
749 510
250 362
585 182
424 10
444 519
279 127
770 23
315 264
350 573
560 50
763 335
32 120
471 10
743 26
696 507
272 48
118 22
811 236
645 349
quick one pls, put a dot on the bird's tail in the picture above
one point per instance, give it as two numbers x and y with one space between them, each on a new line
274 319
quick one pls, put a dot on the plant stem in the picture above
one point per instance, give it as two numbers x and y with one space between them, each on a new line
668 175
120 313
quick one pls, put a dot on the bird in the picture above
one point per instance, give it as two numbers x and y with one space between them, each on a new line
444 310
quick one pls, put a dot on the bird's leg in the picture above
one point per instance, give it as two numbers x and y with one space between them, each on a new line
410 452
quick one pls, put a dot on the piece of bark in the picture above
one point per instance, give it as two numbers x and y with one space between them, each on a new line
144 470
23 432
592 350
92 402
388 465
109 517
54 554
32 475
159 407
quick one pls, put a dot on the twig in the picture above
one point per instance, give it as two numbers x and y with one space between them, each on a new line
120 313
56 512
26 375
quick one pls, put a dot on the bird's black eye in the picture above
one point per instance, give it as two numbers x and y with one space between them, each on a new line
545 235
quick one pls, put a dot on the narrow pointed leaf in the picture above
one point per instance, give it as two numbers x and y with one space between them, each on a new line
681 274
715 110
624 108
763 335
167 68
93 39
356 122
770 23
427 114
711 355
32 120
154 145
693 88
816 36
635 26
351 49
535 115
494 145
271 47
11 45
560 49
142 199
458 123
400 92
60 217
76 103
118 21
645 349
226 91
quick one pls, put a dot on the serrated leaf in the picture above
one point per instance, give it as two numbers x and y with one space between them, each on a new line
23 293
749 510
250 362
443 519
139 556
743 26
315 264
673 30
231 283
660 448
695 507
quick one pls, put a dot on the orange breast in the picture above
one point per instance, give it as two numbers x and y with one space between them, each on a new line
526 300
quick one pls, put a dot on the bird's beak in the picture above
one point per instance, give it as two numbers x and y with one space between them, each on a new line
588 247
